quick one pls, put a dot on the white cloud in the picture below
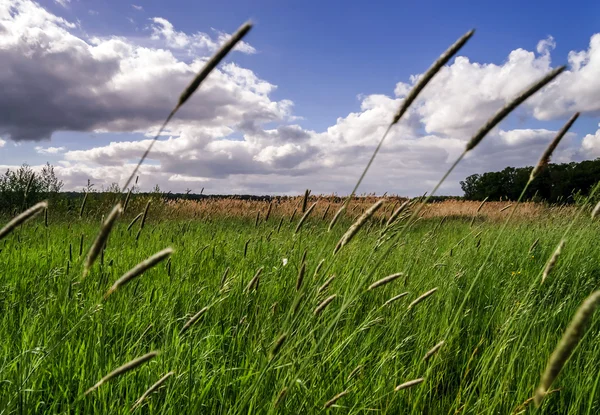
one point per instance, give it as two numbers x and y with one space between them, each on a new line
234 137
49 150
138 8
163 29
64 3
2 143
591 144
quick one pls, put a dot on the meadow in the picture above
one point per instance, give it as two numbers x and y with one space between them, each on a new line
265 348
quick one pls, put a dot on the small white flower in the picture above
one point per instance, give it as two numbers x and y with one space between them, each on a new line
284 262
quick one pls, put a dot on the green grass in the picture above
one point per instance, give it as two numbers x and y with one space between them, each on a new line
56 342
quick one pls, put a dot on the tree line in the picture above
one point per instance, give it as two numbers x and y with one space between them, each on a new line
558 183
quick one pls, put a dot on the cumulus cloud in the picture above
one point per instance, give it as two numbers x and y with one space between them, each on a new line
54 80
591 144
163 29
49 150
234 137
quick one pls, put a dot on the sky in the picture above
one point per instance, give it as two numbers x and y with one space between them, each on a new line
302 102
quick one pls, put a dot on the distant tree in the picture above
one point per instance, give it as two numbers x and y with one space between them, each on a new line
558 183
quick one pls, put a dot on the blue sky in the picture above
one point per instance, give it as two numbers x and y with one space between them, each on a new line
336 66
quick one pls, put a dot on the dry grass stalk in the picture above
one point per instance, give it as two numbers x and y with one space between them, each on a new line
325 284
278 344
253 284
433 351
326 211
305 200
385 280
22 218
521 408
336 217
397 212
409 384
101 239
193 320
394 298
193 86
224 277
318 268
82 208
422 297
29 182
353 230
304 217
151 389
280 397
354 372
293 214
300 278
569 341
123 369
550 265
134 221
545 159
145 215
335 399
324 304
505 207
481 205
508 108
596 210
268 212
126 201
533 245
246 247
139 269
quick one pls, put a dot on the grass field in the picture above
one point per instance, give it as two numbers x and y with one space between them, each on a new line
433 313
60 336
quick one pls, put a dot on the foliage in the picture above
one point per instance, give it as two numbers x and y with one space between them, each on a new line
558 183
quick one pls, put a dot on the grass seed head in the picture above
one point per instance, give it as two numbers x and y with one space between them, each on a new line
300 278
253 284
304 217
422 298
336 217
395 298
326 284
550 265
409 384
139 269
335 399
278 344
385 280
193 320
151 389
324 304
508 108
359 223
545 159
22 218
569 341
102 237
433 351
123 369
